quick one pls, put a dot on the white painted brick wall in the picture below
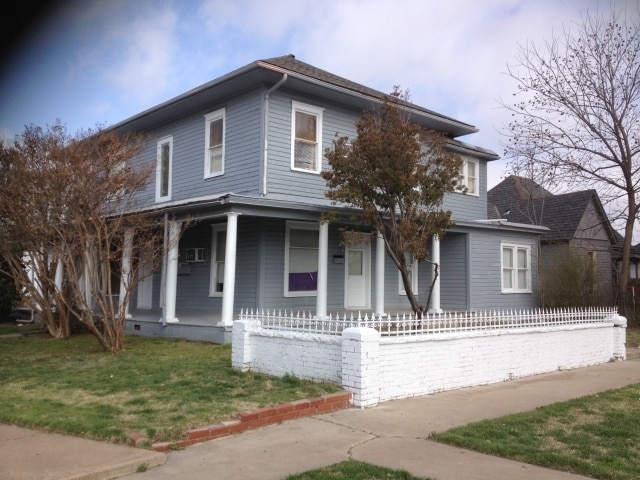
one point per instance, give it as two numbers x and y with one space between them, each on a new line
241 340
360 364
451 361
377 369
311 357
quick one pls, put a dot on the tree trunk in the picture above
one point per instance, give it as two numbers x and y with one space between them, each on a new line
623 284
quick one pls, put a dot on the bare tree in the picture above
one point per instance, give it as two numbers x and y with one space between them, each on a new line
577 108
68 219
396 173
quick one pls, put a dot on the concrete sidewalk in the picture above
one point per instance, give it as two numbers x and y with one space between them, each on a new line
393 434
34 455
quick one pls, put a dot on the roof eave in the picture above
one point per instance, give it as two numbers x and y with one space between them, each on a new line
186 95
461 128
454 127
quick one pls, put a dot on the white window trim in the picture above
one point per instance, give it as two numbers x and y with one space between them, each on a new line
161 142
297 226
216 228
414 279
208 118
311 110
464 174
514 272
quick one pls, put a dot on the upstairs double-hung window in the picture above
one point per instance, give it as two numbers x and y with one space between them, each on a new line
214 143
469 175
306 134
163 169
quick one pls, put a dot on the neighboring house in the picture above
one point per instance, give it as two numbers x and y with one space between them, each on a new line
242 156
575 220
634 267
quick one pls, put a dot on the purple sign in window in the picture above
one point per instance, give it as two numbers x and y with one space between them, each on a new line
303 282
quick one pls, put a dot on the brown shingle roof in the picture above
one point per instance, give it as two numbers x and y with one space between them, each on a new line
291 63
521 200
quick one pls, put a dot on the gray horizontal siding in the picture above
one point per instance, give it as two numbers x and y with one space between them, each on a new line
466 207
242 151
260 271
335 271
193 284
247 262
393 299
194 281
486 275
454 294
284 183
273 284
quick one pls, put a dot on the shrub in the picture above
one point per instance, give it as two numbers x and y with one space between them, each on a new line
569 279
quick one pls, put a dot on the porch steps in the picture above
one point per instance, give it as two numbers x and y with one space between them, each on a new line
255 418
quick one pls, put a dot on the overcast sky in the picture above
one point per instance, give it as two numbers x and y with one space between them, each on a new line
93 62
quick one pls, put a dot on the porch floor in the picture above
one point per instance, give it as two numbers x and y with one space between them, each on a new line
201 325
200 318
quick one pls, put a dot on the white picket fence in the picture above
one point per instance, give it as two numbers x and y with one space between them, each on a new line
431 323
380 358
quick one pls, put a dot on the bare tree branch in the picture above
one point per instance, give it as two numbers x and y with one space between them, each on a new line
65 211
577 108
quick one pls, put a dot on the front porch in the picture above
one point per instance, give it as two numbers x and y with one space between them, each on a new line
196 325
268 266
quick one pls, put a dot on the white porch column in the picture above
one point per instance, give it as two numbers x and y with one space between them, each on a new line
88 273
171 282
435 258
380 254
125 277
323 255
59 275
228 291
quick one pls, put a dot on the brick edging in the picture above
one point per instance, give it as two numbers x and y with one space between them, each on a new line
250 419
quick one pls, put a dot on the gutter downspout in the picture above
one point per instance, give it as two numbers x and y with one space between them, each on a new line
266 131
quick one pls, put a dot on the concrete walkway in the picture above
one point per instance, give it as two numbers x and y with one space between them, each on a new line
393 434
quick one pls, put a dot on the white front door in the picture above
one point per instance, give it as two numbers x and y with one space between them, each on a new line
357 283
145 286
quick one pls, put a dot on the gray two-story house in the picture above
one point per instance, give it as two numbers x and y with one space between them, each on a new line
239 159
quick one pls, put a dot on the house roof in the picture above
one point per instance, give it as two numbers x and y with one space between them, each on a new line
300 76
521 200
293 65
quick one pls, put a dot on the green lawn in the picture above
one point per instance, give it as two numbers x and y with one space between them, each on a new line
162 387
597 436
353 470
633 337
157 387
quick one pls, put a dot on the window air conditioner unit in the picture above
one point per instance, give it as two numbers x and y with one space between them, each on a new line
195 255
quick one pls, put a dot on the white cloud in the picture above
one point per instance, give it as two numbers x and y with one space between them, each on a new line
144 67
450 55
